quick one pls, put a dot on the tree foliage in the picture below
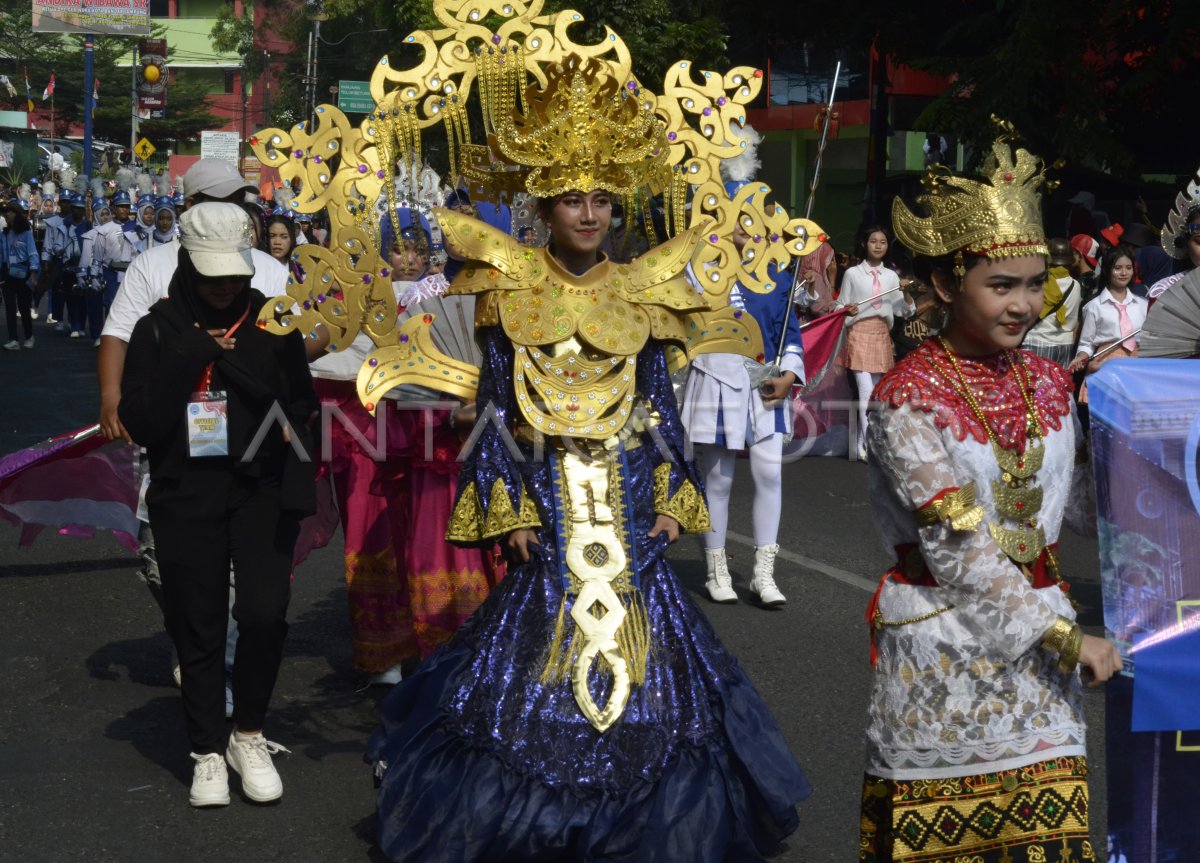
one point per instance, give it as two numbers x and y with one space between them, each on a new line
44 53
1100 82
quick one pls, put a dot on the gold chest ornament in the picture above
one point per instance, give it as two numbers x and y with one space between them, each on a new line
1016 498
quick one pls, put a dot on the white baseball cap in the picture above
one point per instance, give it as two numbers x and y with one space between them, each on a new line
218 237
215 178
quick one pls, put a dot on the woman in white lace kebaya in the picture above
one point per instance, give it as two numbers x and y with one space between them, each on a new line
976 738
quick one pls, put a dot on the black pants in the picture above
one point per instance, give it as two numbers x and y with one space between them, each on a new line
201 523
18 295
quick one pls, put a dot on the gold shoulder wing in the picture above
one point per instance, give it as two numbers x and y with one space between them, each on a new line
658 276
724 331
473 240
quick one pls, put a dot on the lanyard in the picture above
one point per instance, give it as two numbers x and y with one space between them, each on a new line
205 382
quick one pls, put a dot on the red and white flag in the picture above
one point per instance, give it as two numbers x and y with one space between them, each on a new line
823 339
96 91
49 91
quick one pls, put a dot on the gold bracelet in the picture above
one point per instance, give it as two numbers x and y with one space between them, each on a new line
1057 637
1069 657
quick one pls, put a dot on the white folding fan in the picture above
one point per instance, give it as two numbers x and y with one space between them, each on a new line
1172 327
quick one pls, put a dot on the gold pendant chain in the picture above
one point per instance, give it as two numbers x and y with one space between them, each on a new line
1023 384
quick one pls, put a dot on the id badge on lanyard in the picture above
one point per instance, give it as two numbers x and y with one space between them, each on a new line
208 424
208 413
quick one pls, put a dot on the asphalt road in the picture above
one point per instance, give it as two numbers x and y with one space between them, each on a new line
93 754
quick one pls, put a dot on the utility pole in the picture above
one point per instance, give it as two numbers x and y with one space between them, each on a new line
133 110
89 89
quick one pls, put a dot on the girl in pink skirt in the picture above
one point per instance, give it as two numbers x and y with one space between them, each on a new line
871 310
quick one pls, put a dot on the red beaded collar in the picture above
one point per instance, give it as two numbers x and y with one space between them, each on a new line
926 380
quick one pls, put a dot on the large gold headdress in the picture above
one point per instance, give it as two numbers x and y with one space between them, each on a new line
998 215
547 114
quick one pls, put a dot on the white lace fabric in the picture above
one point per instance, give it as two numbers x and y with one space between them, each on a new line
970 690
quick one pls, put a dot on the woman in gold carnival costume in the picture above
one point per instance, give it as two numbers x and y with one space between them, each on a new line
976 733
588 710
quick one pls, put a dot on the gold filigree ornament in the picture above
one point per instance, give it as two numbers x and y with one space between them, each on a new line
525 107
998 215
412 361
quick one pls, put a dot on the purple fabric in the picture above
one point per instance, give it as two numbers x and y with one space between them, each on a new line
77 483
484 762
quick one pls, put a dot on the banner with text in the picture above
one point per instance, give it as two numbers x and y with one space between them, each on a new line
105 17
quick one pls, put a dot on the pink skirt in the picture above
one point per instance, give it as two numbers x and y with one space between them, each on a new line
869 347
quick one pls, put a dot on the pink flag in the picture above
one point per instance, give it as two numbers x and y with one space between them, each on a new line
76 483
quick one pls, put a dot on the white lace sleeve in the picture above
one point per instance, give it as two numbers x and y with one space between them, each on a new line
993 597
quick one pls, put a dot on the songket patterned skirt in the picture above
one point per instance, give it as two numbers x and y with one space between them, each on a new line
1034 814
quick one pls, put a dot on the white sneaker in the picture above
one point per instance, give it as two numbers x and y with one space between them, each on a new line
50 319
763 582
387 678
28 343
720 583
77 334
33 314
210 781
862 453
96 343
250 759
177 676
12 345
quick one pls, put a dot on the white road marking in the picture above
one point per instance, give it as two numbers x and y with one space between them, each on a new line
845 577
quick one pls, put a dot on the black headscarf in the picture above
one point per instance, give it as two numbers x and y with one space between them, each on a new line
182 294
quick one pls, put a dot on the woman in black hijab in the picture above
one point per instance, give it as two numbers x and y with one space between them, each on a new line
223 409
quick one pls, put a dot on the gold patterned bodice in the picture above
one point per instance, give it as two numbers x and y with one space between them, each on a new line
576 337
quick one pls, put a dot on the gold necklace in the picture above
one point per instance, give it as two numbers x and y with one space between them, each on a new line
1015 499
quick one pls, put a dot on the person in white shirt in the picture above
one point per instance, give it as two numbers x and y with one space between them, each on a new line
149 275
873 296
1115 315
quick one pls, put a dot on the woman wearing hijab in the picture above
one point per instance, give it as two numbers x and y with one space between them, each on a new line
222 408
164 223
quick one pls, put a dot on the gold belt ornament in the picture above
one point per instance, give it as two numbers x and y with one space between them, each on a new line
611 631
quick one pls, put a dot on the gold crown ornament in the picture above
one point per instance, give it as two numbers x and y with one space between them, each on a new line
998 215
584 131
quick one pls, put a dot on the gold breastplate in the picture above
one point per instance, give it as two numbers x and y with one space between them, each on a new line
565 390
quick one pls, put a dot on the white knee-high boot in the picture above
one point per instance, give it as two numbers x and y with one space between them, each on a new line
763 582
720 582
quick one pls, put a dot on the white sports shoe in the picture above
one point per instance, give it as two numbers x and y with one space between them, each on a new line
250 759
387 678
763 582
33 314
28 343
76 334
720 583
210 781
12 345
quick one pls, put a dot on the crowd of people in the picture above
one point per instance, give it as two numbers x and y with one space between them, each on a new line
556 693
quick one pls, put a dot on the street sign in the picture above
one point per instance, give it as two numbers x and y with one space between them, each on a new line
220 145
354 97
144 149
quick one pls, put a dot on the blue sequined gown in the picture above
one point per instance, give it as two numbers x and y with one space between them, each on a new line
484 763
